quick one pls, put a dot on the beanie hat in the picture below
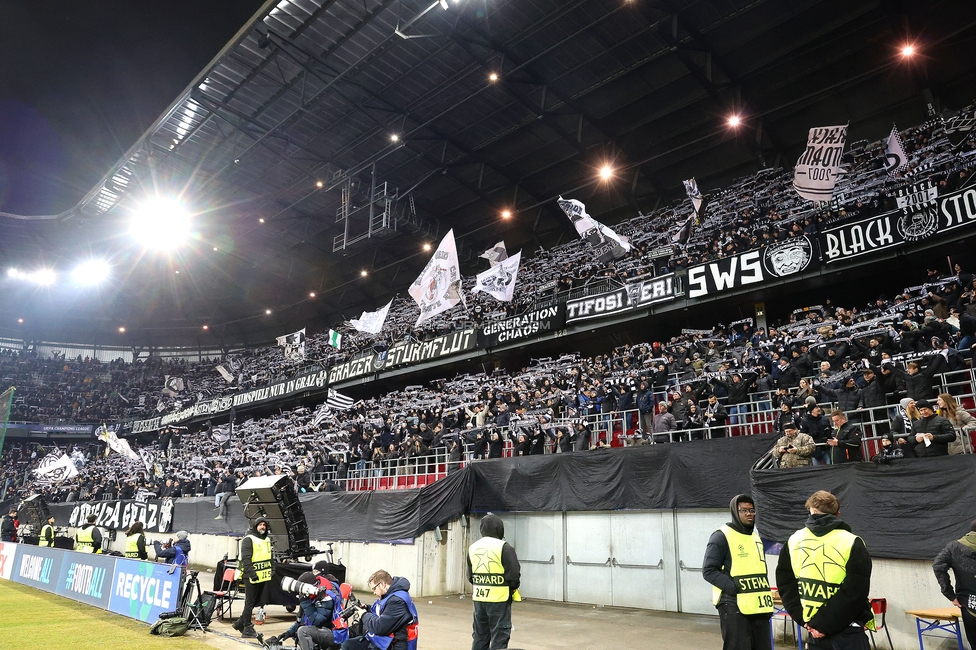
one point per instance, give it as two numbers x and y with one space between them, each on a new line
182 534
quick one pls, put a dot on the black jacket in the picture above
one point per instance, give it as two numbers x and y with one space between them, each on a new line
942 434
960 556
848 399
7 528
717 565
849 604
247 549
394 619
848 447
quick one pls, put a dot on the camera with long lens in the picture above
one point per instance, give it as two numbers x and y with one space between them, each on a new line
302 589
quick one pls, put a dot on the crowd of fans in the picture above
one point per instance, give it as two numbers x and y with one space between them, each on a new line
699 384
753 211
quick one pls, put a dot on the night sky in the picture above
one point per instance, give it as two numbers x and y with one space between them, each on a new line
81 81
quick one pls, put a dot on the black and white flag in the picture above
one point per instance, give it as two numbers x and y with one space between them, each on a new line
691 188
496 254
607 244
684 232
173 385
818 168
338 401
229 378
294 345
371 322
438 287
499 281
54 468
895 159
148 459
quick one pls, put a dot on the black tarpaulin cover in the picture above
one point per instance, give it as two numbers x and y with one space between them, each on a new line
909 509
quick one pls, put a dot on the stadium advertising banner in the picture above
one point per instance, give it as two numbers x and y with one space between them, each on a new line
311 381
86 577
543 319
155 514
921 215
403 353
627 297
754 267
143 590
7 552
38 567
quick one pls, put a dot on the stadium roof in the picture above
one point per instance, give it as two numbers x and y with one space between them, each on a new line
451 112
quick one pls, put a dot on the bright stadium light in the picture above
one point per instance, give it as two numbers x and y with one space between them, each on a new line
161 224
606 172
43 277
908 51
734 120
91 272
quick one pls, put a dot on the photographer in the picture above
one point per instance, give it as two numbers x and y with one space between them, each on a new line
311 630
391 623
794 449
174 553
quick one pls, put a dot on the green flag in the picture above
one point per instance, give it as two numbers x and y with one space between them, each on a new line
335 339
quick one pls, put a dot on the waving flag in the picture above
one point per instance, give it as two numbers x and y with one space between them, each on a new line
55 468
438 288
496 254
499 281
117 445
607 245
294 345
371 322
818 167
691 188
895 159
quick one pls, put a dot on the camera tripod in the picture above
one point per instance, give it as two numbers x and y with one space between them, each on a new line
194 612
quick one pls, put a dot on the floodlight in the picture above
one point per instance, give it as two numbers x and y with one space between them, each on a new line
267 311
161 224
311 294
394 137
908 51
20 320
43 277
363 273
426 246
606 172
493 76
734 120
91 272
122 330
506 214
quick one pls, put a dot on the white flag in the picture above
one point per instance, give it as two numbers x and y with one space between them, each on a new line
229 378
607 244
438 288
148 459
496 254
691 188
372 322
54 469
895 159
294 345
818 168
172 385
117 445
499 282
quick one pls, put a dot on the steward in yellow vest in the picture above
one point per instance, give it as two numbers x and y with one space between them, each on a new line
255 566
495 574
47 533
824 576
735 566
135 542
88 539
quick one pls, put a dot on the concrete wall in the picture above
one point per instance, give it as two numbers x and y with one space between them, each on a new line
645 559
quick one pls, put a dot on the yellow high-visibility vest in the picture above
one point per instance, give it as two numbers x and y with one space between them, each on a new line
748 570
132 545
84 541
43 541
260 558
820 565
487 571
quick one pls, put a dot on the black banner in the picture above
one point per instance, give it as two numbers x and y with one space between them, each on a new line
545 319
754 267
918 220
302 383
631 296
403 353
155 514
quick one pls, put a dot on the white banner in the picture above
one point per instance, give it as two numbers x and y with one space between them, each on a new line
818 168
691 189
499 281
294 345
438 287
496 254
54 469
118 446
371 322
173 385
607 244
229 378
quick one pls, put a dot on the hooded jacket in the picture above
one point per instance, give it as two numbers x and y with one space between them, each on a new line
717 564
960 556
850 603
493 526
247 548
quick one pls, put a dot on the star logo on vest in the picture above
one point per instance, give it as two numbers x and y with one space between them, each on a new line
483 562
819 556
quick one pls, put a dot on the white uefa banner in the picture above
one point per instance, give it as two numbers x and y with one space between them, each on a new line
818 168
499 281
438 288
371 322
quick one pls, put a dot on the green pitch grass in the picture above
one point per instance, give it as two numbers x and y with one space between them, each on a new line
36 619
